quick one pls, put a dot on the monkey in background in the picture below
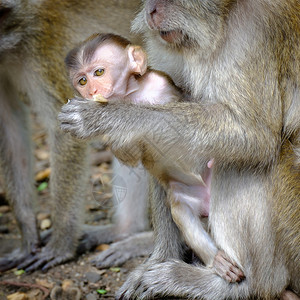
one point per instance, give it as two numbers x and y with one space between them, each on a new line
35 37
108 66
240 63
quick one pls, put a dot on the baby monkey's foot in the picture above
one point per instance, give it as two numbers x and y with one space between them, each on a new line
226 268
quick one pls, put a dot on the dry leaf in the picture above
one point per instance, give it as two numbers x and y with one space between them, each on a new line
17 296
45 283
67 284
102 247
42 175
35 294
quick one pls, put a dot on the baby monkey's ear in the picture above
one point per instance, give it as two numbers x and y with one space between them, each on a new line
138 59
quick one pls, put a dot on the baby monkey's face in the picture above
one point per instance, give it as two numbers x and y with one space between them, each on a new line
101 74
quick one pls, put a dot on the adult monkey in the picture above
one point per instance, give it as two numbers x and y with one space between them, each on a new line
35 37
240 62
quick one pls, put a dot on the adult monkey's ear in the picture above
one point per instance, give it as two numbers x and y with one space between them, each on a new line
137 59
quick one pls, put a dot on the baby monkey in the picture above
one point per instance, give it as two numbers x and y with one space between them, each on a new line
106 68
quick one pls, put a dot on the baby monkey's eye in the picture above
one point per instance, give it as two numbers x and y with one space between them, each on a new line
99 72
82 81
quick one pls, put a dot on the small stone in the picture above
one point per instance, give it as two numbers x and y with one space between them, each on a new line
4 209
42 154
91 297
57 275
92 277
45 224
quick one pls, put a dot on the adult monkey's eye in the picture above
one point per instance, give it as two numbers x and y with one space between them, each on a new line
82 81
99 72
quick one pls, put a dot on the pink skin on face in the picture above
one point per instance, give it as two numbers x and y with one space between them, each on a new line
104 75
113 72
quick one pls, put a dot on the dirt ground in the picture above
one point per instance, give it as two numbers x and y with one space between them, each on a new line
77 277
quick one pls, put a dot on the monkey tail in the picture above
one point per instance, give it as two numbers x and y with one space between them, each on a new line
179 279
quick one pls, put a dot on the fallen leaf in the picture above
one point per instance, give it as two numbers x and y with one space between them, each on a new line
17 296
42 175
45 283
19 272
101 292
115 269
35 295
42 186
102 247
